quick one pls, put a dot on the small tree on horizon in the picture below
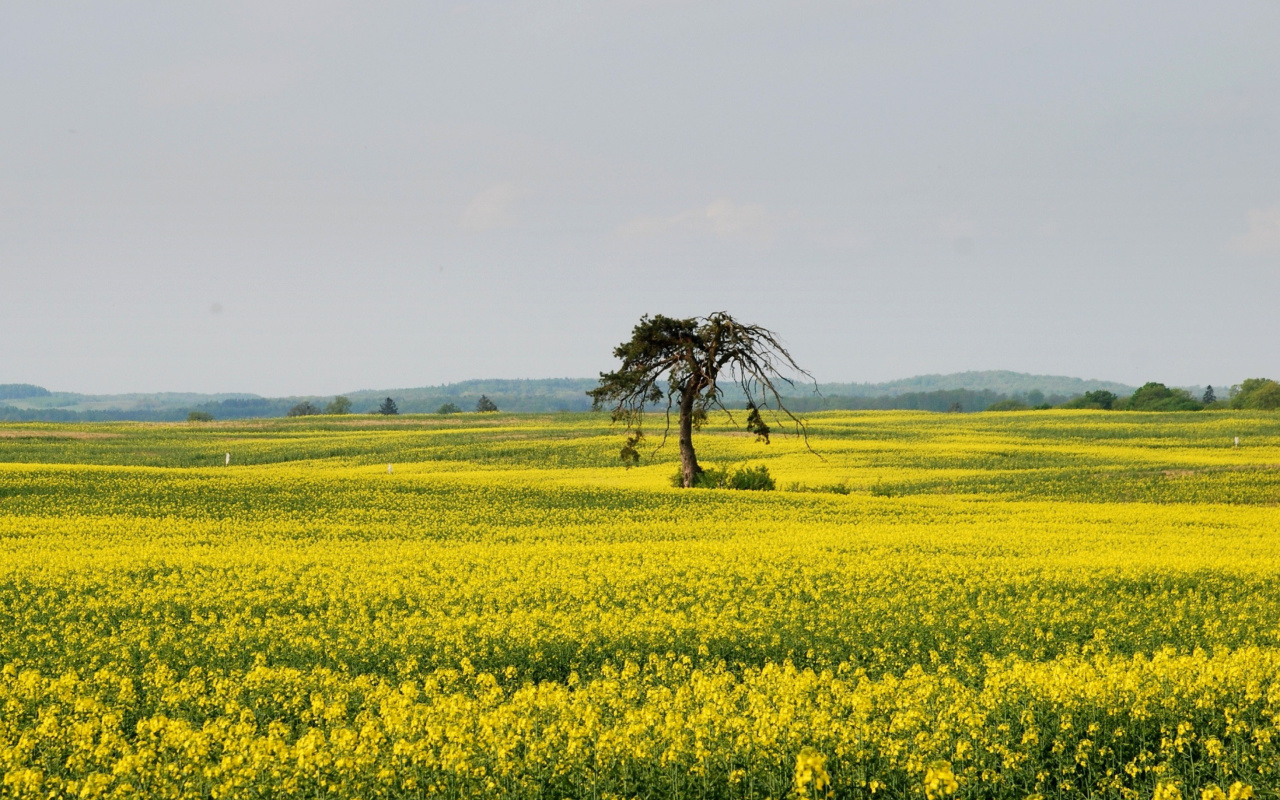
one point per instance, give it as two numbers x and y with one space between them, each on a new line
1209 398
448 408
340 405
484 405
304 409
683 362
388 407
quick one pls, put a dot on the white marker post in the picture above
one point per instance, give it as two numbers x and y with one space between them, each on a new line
228 459
1237 447
388 469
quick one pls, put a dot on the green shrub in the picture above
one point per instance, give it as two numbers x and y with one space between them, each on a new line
1100 399
751 479
821 488
199 416
1012 404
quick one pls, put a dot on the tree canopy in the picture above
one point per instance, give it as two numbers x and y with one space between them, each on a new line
684 364
1256 393
1099 398
388 407
1154 396
304 409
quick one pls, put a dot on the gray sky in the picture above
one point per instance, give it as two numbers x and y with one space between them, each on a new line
318 196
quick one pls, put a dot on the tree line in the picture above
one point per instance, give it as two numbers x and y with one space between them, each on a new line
388 407
1261 394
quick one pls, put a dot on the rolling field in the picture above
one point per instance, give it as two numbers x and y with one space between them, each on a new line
1054 604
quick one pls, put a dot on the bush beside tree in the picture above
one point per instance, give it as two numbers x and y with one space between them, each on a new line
448 408
750 479
485 406
340 405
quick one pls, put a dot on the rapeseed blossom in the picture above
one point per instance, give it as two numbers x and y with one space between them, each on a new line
1048 605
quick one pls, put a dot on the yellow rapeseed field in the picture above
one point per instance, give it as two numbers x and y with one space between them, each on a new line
1018 605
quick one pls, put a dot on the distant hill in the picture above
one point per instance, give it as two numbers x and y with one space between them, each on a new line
18 391
1000 381
972 391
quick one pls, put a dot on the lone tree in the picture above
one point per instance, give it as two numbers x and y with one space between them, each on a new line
340 405
686 362
304 409
484 405
1208 398
388 407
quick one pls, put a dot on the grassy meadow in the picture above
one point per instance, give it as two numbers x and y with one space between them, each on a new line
1057 604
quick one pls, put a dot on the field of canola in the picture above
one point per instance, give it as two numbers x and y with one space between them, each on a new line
1051 604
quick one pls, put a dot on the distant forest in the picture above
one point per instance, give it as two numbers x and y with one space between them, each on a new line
959 392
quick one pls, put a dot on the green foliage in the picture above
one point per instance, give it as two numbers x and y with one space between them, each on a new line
485 406
1097 399
388 407
339 405
751 479
449 408
304 409
1208 398
842 487
1261 394
199 416
1154 396
1012 404
755 424
630 453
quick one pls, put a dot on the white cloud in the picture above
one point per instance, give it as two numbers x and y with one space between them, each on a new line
492 208
1263 236
722 219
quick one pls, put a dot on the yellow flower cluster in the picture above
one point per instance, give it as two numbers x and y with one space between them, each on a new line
1054 605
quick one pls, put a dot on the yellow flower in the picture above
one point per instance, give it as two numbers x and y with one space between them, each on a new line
1213 792
1167 791
811 770
939 780
1240 791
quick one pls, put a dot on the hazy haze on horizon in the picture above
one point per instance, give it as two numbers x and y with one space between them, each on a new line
299 198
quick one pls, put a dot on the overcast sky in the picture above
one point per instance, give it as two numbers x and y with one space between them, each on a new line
317 197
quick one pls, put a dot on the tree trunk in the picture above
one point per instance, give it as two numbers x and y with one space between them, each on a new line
688 461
